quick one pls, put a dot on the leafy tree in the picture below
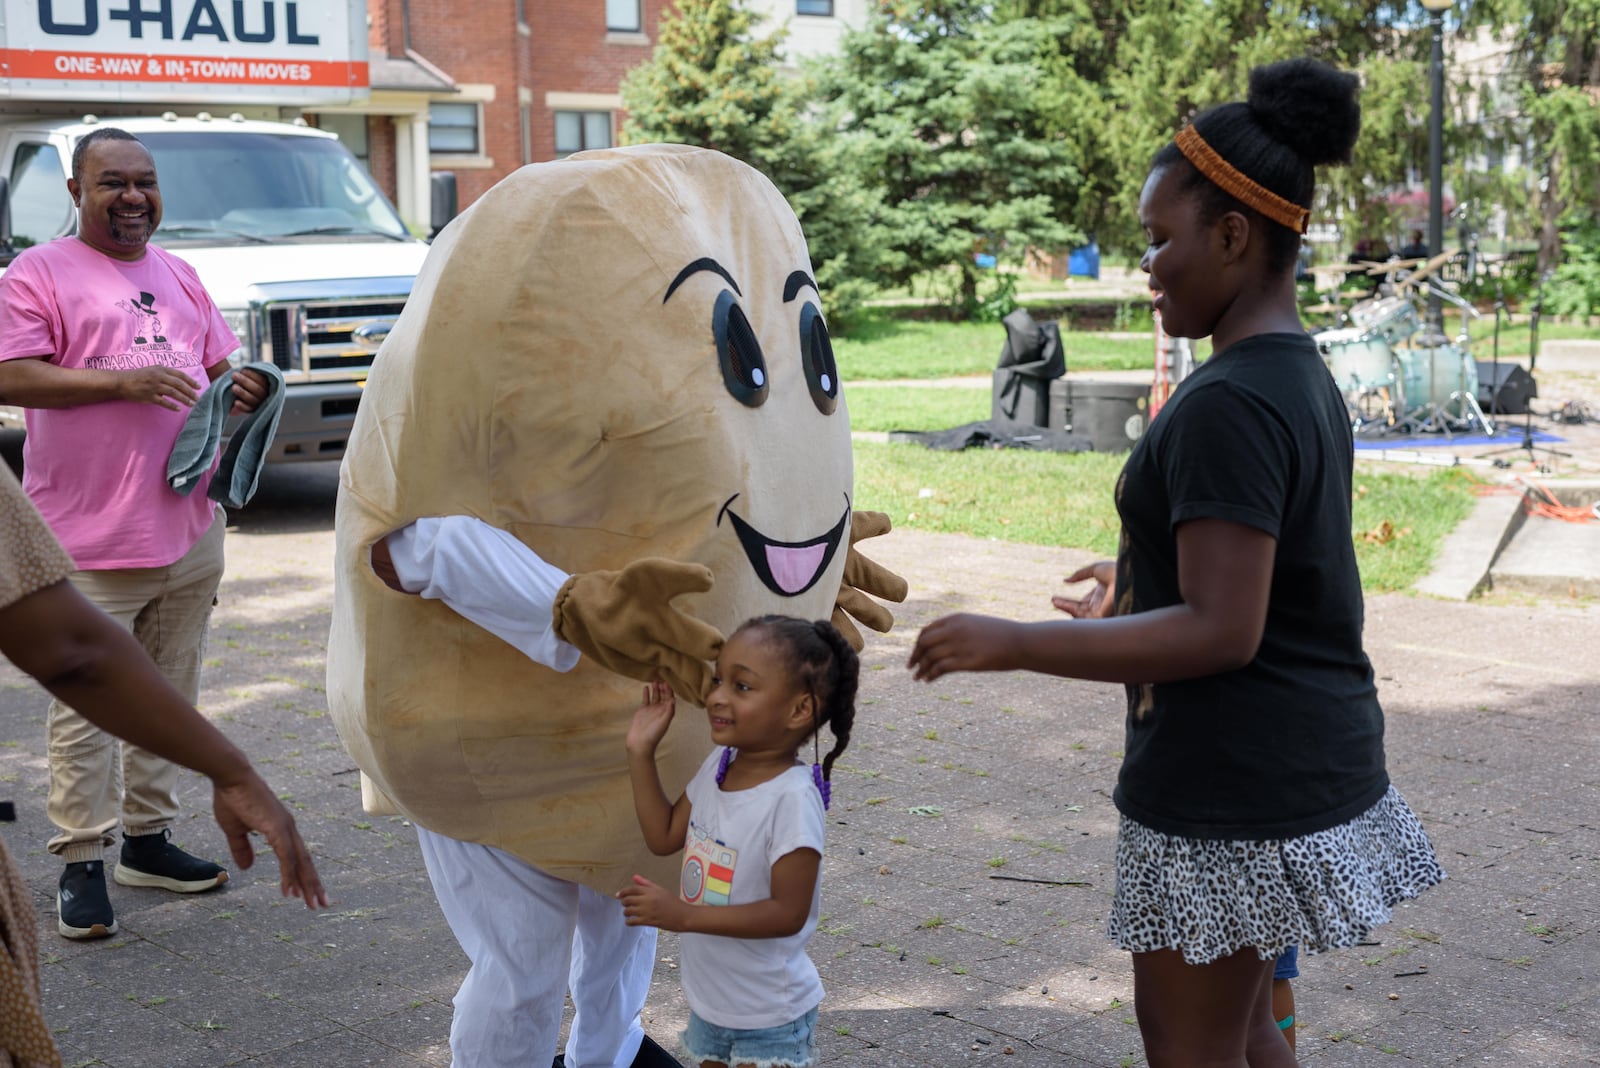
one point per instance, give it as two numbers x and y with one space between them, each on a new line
1553 69
949 111
713 82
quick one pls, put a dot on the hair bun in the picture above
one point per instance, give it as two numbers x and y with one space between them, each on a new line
1308 106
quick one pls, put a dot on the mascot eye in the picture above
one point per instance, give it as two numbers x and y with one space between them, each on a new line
744 369
816 352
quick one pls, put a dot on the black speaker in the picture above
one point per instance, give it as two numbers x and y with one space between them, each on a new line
1504 389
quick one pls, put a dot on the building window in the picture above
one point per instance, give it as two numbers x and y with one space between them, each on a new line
453 128
525 130
622 16
522 12
813 7
578 130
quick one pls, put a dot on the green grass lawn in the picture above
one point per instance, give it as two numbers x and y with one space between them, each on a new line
883 347
1065 500
913 407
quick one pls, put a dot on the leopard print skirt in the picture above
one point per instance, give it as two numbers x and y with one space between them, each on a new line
1211 898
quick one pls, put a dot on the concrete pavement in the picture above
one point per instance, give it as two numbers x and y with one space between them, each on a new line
968 869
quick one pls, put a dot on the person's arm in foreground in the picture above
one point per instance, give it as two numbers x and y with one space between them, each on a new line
1224 575
35 382
83 657
794 882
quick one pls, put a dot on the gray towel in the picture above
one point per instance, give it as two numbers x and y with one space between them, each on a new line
237 475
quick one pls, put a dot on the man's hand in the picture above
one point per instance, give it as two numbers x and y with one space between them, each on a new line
164 387
249 390
863 577
645 904
1098 603
250 805
624 621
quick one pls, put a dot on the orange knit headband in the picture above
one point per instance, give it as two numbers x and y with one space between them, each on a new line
1231 180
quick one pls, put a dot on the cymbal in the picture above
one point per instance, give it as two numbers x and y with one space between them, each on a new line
1322 309
1429 266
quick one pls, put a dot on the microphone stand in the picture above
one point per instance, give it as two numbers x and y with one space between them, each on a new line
1526 445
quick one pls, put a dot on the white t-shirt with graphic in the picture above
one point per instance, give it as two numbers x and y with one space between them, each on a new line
734 839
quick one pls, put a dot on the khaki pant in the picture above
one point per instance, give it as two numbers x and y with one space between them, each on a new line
168 609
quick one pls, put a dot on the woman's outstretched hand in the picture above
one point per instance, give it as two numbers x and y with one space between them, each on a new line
964 642
1100 601
250 805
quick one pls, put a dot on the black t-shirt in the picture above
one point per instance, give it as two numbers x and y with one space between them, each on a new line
1292 743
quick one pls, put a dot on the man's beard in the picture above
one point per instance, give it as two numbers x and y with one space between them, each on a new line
134 233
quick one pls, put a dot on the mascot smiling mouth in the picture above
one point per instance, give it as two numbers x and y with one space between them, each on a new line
787 568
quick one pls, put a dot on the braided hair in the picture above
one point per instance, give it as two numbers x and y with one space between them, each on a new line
1300 113
827 668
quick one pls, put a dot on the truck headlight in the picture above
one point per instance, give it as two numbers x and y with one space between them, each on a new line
239 322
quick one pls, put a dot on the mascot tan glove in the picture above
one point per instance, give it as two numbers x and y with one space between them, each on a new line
624 621
861 577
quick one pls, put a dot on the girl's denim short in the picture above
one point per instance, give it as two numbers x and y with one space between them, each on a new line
790 1045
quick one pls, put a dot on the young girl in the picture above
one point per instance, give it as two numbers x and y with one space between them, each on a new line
750 825
1257 811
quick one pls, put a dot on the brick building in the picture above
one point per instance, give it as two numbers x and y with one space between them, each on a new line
480 87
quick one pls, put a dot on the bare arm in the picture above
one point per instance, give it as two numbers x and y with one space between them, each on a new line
1224 576
35 382
794 883
662 823
83 657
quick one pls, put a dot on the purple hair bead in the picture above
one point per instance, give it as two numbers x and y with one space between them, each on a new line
824 787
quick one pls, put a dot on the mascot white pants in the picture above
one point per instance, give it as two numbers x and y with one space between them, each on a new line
531 937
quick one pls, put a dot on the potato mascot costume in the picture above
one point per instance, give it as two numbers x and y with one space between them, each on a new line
617 365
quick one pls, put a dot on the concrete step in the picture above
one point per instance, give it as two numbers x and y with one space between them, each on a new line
1554 557
1501 546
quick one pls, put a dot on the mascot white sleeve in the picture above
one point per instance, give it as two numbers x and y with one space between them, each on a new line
618 360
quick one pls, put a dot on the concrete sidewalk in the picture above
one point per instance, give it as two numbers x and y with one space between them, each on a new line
968 870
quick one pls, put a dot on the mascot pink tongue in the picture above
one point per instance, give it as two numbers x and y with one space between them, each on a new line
794 568
616 359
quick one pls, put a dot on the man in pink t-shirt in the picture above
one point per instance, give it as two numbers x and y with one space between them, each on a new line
107 341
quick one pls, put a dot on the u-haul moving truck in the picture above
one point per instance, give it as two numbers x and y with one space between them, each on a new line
308 261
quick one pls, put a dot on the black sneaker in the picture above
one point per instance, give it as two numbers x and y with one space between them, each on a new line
82 908
650 1055
152 860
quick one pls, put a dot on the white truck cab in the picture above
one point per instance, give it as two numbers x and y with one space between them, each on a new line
299 248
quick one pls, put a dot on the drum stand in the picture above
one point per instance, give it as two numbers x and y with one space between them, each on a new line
1432 416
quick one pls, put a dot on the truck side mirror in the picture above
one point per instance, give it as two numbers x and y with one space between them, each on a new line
7 253
442 187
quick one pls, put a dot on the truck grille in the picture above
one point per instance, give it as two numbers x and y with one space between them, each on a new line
323 330
312 340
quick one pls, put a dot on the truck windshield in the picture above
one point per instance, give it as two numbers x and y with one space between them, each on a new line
251 187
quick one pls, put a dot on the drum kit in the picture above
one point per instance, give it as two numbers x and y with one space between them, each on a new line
1397 374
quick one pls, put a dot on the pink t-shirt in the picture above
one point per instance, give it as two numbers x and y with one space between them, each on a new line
98 473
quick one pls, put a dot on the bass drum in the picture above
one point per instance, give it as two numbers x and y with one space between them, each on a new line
1444 376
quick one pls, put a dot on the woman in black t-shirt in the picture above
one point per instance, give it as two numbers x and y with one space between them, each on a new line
1256 809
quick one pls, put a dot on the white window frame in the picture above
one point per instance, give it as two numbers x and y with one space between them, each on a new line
638 16
477 127
582 113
